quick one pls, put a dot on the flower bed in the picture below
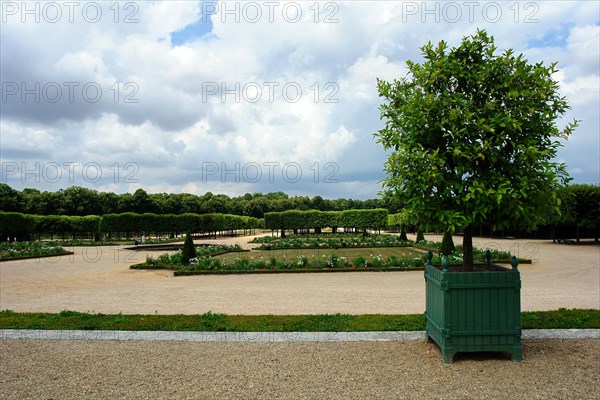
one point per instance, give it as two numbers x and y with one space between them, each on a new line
228 260
275 261
23 250
301 263
173 261
499 256
329 241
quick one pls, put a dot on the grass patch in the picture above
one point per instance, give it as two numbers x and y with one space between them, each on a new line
561 319
211 322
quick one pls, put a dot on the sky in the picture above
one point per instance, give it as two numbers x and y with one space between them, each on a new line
239 97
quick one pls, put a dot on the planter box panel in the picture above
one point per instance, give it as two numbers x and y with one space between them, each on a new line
473 311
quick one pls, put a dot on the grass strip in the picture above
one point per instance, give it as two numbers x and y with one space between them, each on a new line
72 320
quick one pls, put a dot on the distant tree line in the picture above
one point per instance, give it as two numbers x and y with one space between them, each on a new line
579 215
80 201
578 218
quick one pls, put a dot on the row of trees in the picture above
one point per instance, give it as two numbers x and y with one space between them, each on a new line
23 226
317 220
578 214
579 210
81 201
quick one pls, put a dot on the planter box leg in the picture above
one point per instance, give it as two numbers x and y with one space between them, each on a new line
516 354
448 357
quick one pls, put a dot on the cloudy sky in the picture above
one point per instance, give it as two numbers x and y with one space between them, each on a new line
234 97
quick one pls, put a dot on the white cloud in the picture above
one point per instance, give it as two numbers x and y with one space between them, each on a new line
182 117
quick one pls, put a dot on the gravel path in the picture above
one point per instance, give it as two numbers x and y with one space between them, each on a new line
99 280
552 369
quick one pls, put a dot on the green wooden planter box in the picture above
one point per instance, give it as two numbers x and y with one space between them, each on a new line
474 311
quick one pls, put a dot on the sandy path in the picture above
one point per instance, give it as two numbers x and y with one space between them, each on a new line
552 369
99 280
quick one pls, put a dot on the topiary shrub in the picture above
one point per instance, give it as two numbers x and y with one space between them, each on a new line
420 237
403 235
189 251
447 246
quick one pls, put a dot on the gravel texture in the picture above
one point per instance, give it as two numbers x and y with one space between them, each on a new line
552 369
99 280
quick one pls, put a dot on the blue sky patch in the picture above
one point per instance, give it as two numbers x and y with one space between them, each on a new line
192 32
554 38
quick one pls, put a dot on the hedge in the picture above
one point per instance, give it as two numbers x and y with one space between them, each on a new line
16 224
313 219
23 225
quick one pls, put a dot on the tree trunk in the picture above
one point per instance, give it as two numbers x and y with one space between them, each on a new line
468 249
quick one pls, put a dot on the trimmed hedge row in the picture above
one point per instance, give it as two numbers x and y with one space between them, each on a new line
314 219
23 225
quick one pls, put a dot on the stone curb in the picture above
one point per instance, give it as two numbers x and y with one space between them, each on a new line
266 337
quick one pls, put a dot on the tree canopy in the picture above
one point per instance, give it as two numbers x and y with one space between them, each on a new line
473 137
81 201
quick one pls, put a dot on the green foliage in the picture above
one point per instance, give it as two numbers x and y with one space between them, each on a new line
359 262
189 251
12 223
82 201
404 218
197 223
580 206
62 224
470 121
473 137
447 246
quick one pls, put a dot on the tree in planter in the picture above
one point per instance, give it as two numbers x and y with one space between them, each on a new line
189 251
472 135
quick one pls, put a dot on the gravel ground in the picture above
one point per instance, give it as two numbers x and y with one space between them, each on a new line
99 280
552 369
